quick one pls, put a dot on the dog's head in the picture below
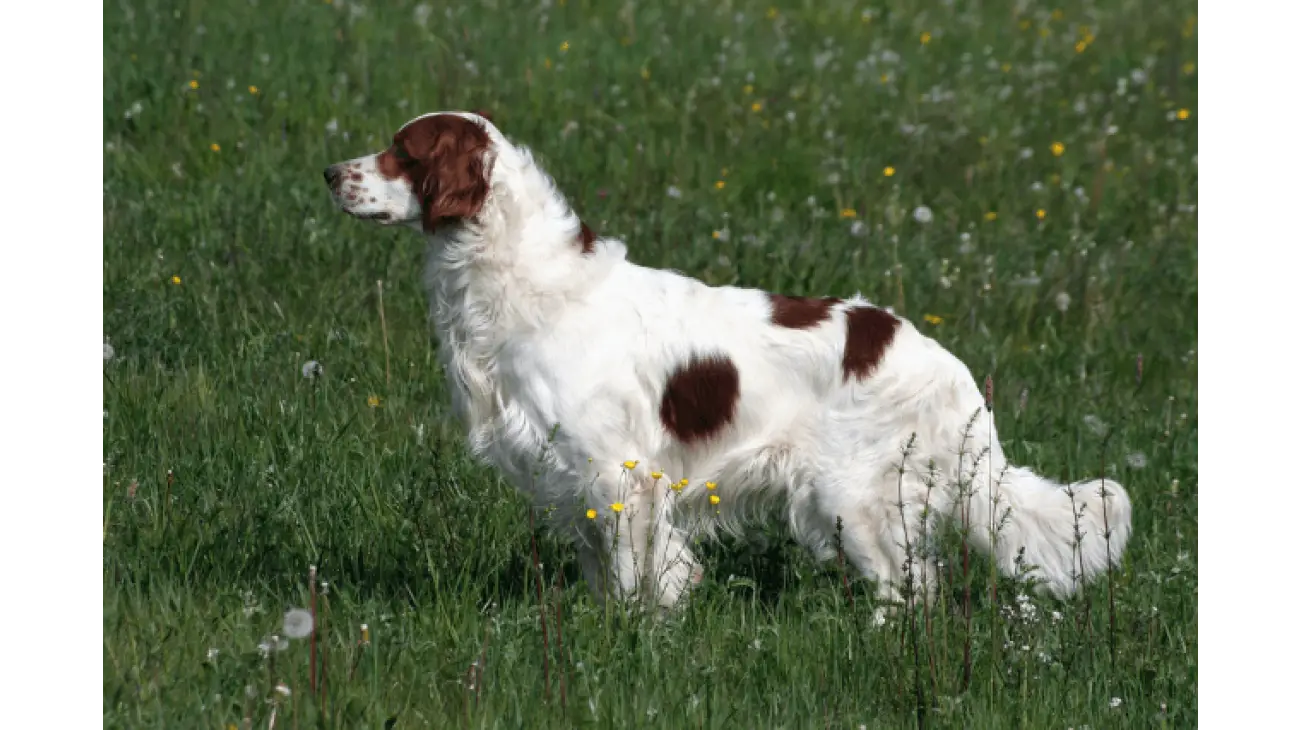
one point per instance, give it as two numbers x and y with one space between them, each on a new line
437 170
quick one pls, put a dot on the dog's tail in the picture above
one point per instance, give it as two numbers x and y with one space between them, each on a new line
1068 533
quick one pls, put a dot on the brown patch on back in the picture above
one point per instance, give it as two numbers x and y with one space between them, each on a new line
800 312
869 332
441 156
587 239
700 398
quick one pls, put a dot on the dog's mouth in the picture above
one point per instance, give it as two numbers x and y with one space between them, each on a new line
377 217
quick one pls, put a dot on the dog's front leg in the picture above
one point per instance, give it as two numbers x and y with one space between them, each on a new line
629 548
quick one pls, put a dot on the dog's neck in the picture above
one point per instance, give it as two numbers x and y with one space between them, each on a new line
507 273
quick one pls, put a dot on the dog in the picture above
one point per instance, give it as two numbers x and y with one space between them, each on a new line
642 409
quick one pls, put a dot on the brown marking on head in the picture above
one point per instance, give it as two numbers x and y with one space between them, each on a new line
700 398
869 332
586 239
441 156
800 312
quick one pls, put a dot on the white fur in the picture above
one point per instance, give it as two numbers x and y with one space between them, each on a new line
557 362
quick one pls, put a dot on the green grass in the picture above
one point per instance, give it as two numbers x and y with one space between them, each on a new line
273 472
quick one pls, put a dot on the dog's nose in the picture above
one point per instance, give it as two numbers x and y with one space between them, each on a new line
332 175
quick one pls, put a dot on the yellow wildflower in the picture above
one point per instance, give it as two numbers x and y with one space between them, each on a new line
848 213
1184 114
253 90
1040 213
676 487
749 89
925 38
1006 68
756 106
1189 68
564 47
710 486
591 514
714 499
720 184
373 401
656 475
645 73
617 506
933 319
215 147
717 234
1080 47
772 13
683 482
991 216
630 464
888 171
884 78
194 83
176 279
1058 149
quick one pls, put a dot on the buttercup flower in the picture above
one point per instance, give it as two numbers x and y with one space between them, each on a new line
933 319
373 401
714 499
617 507
591 514
888 171
176 279
1058 149
629 464
656 475
710 486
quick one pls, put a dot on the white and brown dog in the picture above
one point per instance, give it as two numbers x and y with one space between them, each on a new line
664 406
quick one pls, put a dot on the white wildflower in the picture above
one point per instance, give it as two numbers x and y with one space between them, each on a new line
1115 702
1094 424
332 126
212 654
312 369
1136 460
923 214
674 192
109 352
298 623
858 229
1063 301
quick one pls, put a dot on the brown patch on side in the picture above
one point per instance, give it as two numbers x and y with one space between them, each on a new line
700 398
442 158
800 312
587 239
869 332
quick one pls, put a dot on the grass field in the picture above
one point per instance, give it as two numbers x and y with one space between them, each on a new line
1019 180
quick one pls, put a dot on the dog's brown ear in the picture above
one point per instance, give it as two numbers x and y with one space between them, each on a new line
455 180
485 114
